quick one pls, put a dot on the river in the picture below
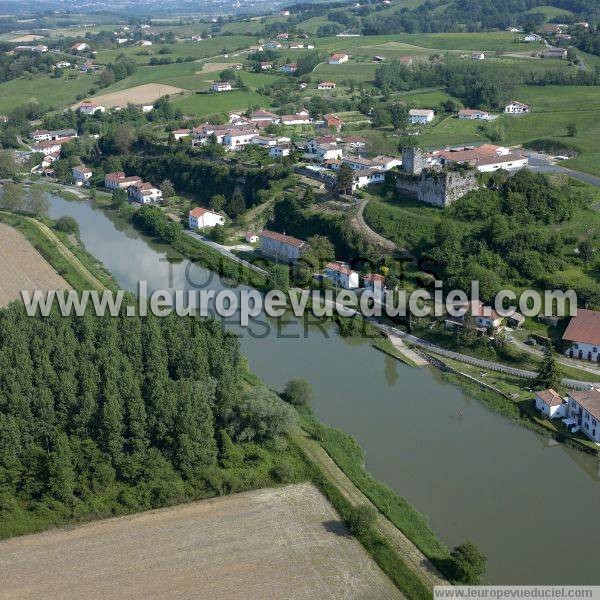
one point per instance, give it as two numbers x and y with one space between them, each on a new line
528 502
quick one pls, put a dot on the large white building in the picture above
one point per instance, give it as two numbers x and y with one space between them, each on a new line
281 247
200 218
118 180
338 58
90 108
81 174
485 158
583 413
144 193
517 108
364 177
583 335
420 116
551 404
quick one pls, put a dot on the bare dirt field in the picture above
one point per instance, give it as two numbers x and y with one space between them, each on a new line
140 94
273 543
22 267
214 67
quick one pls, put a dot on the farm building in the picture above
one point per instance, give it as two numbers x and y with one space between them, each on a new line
583 335
338 58
473 114
420 115
517 108
281 247
201 218
221 86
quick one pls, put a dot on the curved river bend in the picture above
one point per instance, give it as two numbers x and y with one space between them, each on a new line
532 505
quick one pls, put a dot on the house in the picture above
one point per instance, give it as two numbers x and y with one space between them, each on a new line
325 152
236 66
144 43
516 108
560 53
326 85
81 174
88 107
375 283
354 141
200 218
338 58
531 37
255 48
179 134
297 119
121 40
279 151
583 413
283 36
238 138
118 180
342 275
420 116
516 320
477 56
313 144
281 247
221 86
273 45
551 29
485 158
583 335
265 66
47 147
485 317
363 177
385 163
4 118
62 64
296 46
289 68
551 404
264 115
251 237
333 121
473 114
79 47
40 135
144 193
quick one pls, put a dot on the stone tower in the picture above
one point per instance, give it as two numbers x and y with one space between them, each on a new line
413 160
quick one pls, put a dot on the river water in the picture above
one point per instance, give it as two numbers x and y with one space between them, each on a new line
533 506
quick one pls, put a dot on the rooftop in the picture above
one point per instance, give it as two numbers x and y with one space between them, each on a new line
550 397
588 399
280 237
584 327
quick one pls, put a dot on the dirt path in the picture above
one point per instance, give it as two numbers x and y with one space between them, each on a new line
360 224
411 555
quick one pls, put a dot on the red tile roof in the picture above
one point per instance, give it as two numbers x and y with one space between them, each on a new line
590 400
339 267
199 211
550 397
584 327
284 239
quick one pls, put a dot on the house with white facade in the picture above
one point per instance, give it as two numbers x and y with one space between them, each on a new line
477 56
48 147
90 108
485 158
473 114
517 108
281 247
364 177
338 58
289 68
583 413
251 237
551 404
81 174
236 139
266 66
144 193
375 283
485 317
273 45
279 151
221 86
328 152
297 119
118 181
201 218
79 47
326 85
261 115
420 116
531 37
582 336
342 275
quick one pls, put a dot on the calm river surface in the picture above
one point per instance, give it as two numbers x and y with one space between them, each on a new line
533 506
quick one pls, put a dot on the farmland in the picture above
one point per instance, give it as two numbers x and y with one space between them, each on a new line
23 268
280 543
208 104
141 94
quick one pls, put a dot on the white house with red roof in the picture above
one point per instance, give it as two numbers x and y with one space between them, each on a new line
81 174
473 114
516 108
583 335
221 86
342 275
338 58
583 413
281 247
90 108
201 218
118 180
79 47
144 193
326 85
551 404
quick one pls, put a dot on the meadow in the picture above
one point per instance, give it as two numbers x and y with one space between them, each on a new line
208 104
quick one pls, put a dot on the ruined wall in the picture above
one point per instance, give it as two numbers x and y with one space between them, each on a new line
441 188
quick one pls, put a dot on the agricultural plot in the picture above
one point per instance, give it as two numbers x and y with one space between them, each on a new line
23 268
141 94
201 105
274 543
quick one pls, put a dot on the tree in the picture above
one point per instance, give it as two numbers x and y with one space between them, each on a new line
398 115
550 374
297 392
236 205
13 196
119 197
467 564
67 225
308 199
345 179
572 129
167 188
279 277
8 167
361 519
218 234
217 203
586 250
38 202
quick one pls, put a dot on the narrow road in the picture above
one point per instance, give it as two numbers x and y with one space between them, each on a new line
540 163
360 224
415 560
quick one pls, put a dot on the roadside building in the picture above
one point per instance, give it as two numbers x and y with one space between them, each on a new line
342 275
338 58
584 413
477 56
582 335
326 85
201 218
516 108
485 158
221 86
79 47
279 151
374 282
473 114
118 181
90 108
365 177
144 193
333 121
281 247
551 404
420 116
81 174
560 53
251 237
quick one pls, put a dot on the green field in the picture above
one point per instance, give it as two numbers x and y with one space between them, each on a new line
364 71
207 104
198 50
48 91
549 11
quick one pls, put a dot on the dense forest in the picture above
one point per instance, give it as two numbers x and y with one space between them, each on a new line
101 416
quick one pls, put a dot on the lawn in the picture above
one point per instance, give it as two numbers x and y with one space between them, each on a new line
207 104
198 50
48 91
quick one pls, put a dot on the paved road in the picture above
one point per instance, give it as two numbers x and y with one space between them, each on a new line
225 252
542 164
